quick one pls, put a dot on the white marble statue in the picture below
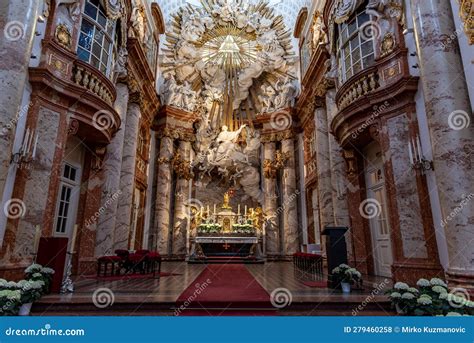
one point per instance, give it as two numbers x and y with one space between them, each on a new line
120 67
73 8
138 22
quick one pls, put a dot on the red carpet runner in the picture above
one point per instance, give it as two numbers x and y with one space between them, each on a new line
227 290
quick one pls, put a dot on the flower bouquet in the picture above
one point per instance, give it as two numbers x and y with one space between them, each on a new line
346 276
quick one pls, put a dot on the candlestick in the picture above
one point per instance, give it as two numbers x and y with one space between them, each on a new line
37 239
208 210
73 240
25 142
202 211
411 153
30 142
238 209
34 148
420 152
245 211
215 209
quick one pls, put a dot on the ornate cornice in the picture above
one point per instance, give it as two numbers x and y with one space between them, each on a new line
271 137
176 133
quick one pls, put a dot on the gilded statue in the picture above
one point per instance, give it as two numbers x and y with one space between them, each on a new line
226 204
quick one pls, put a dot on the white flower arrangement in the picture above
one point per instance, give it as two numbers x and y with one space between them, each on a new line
438 282
46 270
408 296
457 299
34 268
344 273
439 289
14 295
444 296
401 286
395 295
413 290
29 284
423 283
11 285
453 314
425 299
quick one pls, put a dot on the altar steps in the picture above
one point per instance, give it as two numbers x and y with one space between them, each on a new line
343 307
226 260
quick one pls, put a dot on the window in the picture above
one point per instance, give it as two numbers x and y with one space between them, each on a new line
355 45
67 190
96 37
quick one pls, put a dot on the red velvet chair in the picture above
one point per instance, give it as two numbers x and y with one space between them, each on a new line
104 262
153 263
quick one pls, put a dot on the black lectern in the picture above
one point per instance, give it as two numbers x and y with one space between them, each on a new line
336 249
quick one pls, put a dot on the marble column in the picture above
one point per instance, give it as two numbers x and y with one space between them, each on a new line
323 166
127 175
270 206
290 199
449 113
337 167
112 170
181 212
163 196
17 32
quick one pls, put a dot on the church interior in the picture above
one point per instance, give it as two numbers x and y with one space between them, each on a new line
237 157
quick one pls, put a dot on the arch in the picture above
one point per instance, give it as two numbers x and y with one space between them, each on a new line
300 22
158 17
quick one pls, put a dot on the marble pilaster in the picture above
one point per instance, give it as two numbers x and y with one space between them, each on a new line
37 186
112 170
270 206
290 199
181 212
127 177
163 196
449 113
18 23
92 182
317 225
404 184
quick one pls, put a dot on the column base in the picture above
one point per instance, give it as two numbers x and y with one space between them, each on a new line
87 266
13 271
361 265
410 272
458 279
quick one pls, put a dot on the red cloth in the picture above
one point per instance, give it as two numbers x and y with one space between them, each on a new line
225 286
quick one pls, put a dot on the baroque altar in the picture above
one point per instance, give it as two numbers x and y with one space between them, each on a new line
224 233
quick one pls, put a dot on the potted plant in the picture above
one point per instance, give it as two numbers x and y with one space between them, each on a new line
30 292
403 297
10 302
431 298
346 276
37 272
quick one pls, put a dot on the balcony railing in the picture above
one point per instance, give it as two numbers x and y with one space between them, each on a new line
356 87
91 79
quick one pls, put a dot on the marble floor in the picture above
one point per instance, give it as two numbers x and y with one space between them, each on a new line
158 296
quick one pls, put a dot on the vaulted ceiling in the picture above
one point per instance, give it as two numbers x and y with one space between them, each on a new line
289 9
